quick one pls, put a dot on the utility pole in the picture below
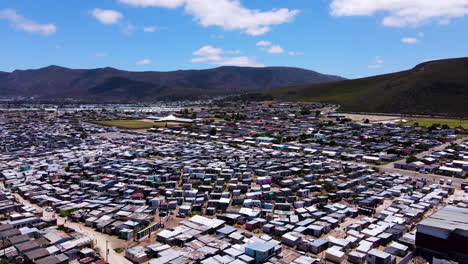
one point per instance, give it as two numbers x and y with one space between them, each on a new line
107 251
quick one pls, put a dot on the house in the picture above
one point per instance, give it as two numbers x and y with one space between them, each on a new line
376 256
318 246
259 251
396 249
335 254
136 254
356 257
291 239
449 171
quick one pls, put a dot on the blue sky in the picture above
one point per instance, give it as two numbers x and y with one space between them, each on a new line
351 38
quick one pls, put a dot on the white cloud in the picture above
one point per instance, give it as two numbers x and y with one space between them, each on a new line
128 29
401 13
154 3
143 62
294 53
378 63
409 40
263 43
24 24
150 29
100 54
215 56
275 49
106 16
233 52
227 14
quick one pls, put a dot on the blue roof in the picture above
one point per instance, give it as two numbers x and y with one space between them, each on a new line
226 230
258 246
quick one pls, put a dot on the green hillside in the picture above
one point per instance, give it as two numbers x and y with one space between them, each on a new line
435 87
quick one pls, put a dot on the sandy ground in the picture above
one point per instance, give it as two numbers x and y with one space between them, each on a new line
374 118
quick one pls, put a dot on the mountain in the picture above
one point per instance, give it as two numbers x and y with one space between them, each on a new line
113 85
434 87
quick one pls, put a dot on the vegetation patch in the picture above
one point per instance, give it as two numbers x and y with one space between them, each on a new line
135 124
127 124
452 123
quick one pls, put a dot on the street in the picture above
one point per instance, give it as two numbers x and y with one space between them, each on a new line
98 237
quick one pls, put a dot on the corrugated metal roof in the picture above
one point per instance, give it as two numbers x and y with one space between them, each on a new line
448 218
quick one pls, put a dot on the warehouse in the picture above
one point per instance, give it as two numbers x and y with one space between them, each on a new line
445 234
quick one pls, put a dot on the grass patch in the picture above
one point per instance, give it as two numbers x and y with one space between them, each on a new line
127 124
452 123
119 250
134 124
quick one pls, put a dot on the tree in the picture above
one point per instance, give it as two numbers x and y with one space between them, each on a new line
305 111
213 131
411 159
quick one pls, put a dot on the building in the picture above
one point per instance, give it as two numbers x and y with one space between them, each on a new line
445 234
170 118
376 256
259 251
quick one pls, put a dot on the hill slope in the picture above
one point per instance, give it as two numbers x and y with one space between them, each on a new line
109 84
434 87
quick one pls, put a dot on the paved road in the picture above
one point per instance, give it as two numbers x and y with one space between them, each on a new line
438 148
390 166
99 238
417 175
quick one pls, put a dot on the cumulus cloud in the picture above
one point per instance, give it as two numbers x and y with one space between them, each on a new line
154 3
263 43
106 16
143 62
215 56
409 40
227 14
402 13
24 24
275 49
378 63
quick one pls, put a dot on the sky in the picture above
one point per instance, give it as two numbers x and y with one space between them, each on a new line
350 38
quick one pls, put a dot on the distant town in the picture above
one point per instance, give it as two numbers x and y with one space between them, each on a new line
230 182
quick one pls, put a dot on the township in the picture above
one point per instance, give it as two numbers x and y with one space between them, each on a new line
258 183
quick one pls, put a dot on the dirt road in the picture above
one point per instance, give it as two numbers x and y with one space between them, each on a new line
99 238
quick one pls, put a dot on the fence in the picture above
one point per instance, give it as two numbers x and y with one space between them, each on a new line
147 231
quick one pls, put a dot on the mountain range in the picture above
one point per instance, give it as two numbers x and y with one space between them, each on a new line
113 85
433 87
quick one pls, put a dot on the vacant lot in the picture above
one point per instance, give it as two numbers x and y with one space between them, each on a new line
429 122
373 118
